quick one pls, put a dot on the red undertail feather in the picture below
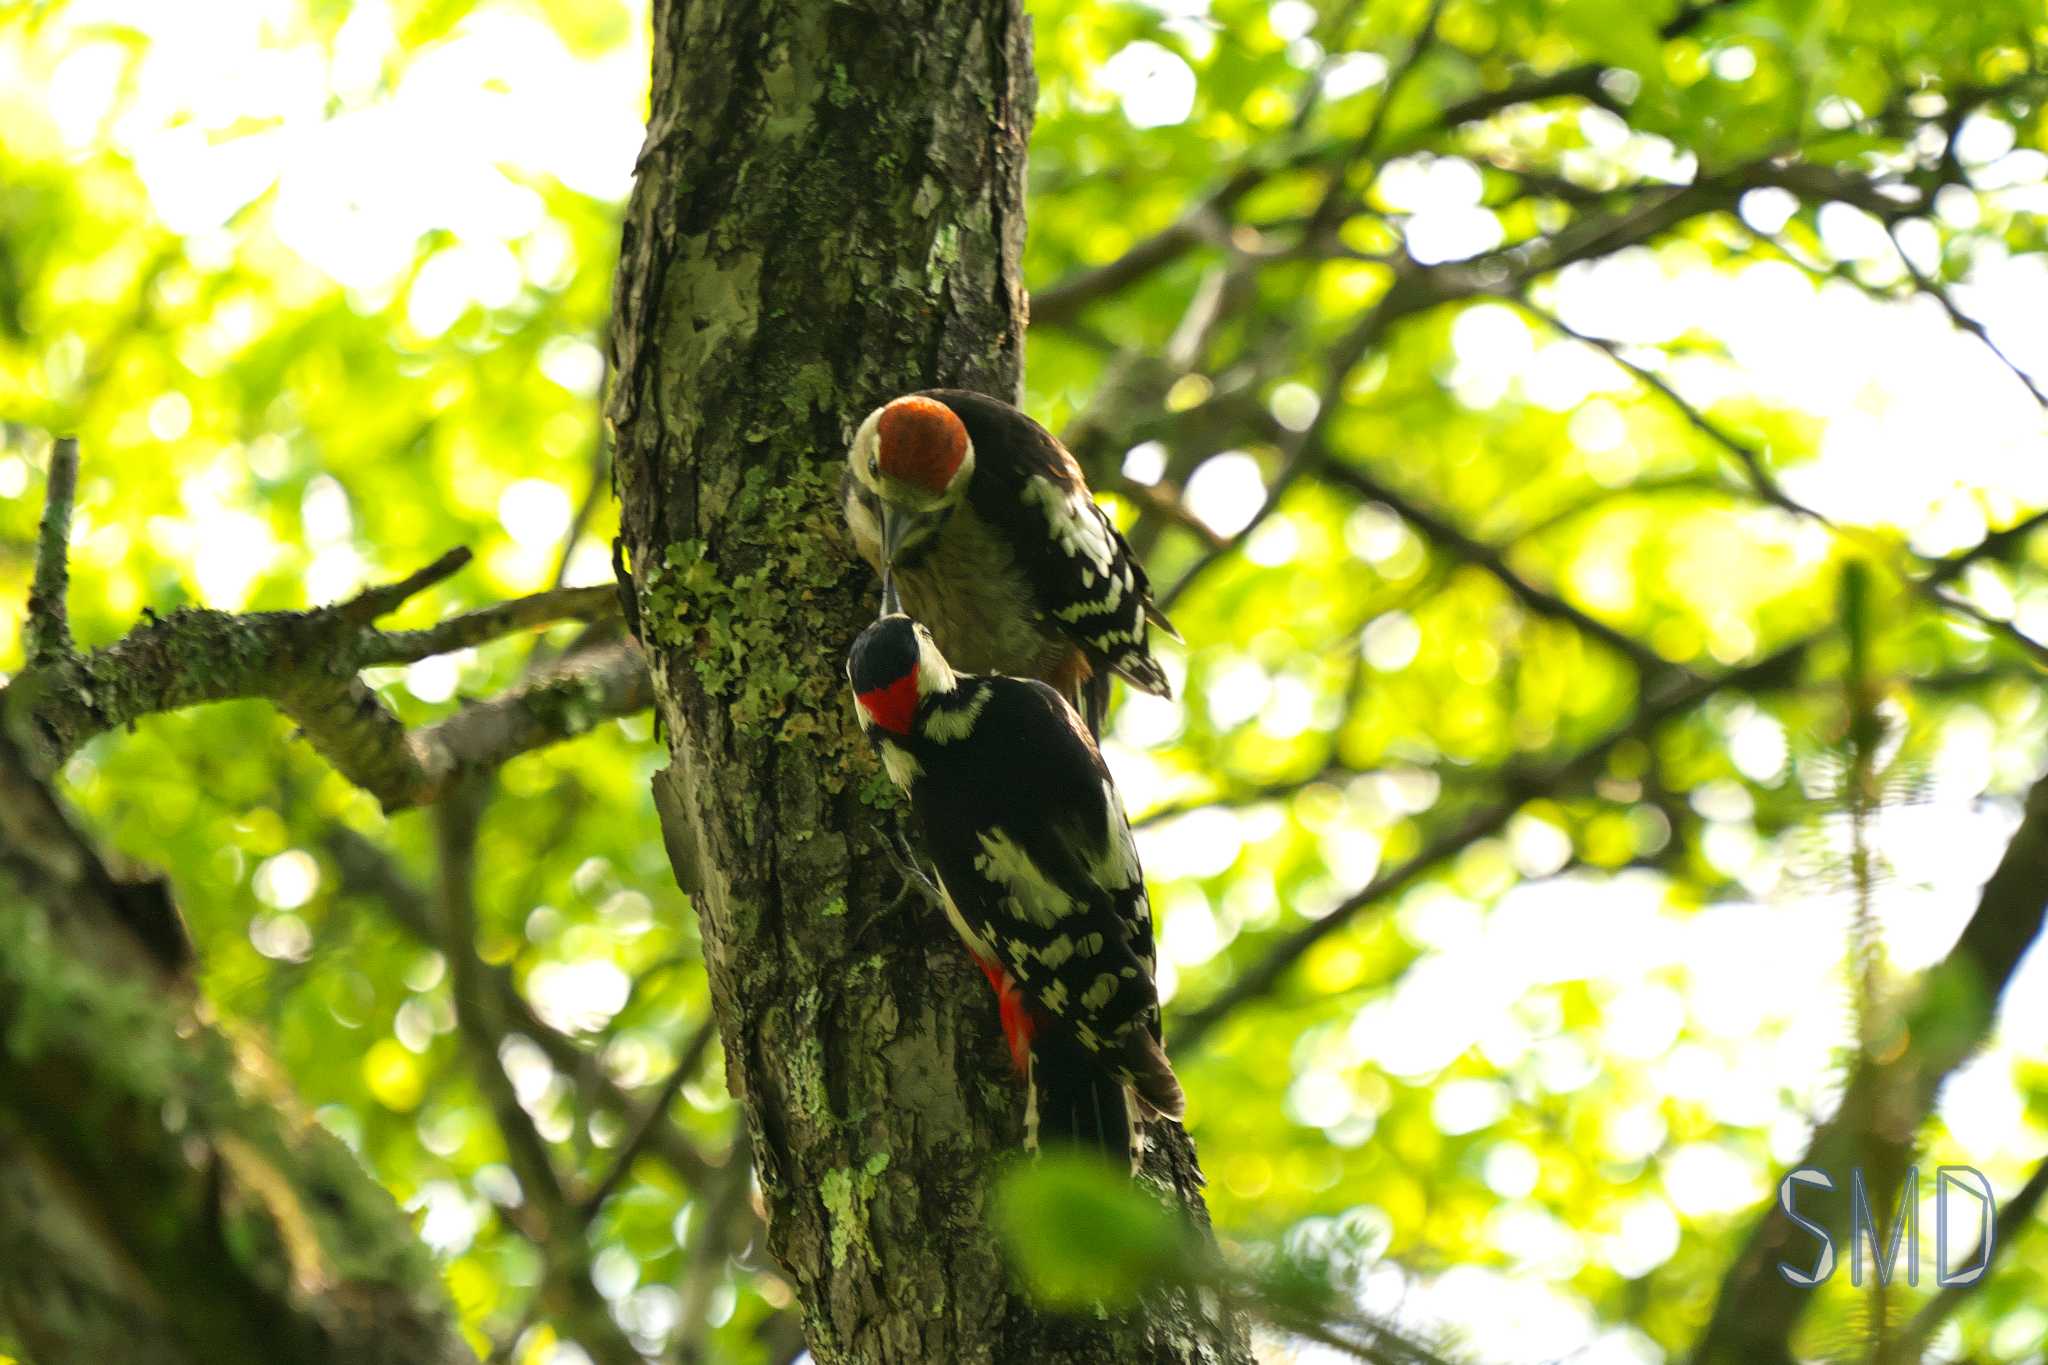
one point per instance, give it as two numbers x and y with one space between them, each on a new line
1019 1025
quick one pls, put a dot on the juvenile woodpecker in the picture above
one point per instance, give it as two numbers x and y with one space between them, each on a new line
1038 874
997 545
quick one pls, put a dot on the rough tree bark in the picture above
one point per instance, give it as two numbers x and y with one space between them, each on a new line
829 211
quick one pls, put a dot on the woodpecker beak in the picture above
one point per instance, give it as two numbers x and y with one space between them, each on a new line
896 528
892 605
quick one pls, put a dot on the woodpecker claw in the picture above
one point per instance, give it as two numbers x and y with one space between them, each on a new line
905 860
914 885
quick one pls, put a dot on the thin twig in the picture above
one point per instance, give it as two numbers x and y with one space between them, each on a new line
1768 489
489 623
1963 321
46 637
1307 449
1263 976
2014 1216
1758 473
652 1117
370 871
1367 146
1439 531
372 603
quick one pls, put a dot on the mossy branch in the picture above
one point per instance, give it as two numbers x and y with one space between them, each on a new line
47 635
308 663
160 1199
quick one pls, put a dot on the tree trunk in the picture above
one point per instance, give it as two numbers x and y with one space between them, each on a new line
162 1200
829 212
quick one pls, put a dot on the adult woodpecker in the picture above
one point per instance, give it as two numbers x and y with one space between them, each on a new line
997 545
1038 874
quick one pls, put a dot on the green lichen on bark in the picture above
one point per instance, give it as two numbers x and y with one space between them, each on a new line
751 634
846 1192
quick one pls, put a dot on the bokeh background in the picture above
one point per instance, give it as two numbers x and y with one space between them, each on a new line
1578 938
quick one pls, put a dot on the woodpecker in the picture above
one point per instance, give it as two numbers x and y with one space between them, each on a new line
997 545
1039 876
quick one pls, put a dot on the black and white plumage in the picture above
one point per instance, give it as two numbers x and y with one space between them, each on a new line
1039 875
997 545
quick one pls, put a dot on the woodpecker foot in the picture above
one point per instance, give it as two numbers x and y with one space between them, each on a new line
916 884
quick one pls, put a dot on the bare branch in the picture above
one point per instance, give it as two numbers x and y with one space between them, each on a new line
1749 457
1885 1102
369 871
306 662
46 637
558 703
1263 976
490 623
353 730
2013 1215
653 1117
1441 533
371 603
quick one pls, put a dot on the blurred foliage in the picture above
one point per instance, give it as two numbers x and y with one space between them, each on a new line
1086 1235
322 290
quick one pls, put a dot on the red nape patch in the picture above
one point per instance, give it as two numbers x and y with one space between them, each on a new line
1020 1024
893 706
920 441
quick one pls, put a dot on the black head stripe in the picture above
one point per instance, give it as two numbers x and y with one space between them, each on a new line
885 653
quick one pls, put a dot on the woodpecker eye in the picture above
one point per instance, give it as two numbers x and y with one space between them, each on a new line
875 465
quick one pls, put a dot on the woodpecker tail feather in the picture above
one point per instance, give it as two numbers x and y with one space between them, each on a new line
1158 618
1153 1084
1143 672
1075 1102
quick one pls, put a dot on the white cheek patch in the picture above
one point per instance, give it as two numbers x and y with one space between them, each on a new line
1076 523
901 765
863 526
934 674
864 444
